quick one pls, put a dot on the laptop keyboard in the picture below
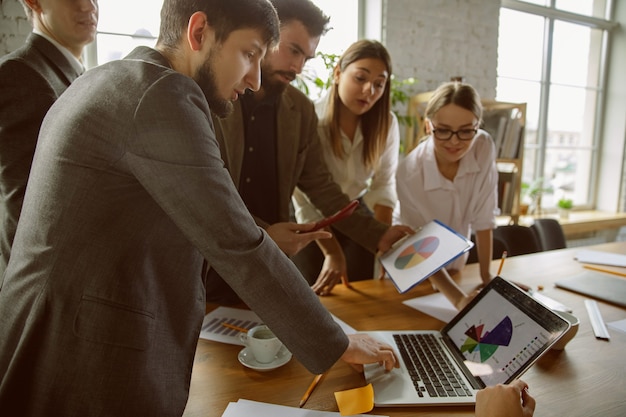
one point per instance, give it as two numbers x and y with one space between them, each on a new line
429 367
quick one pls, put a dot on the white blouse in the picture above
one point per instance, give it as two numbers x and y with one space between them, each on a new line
465 204
376 186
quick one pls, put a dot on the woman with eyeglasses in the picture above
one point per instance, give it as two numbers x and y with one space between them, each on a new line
451 176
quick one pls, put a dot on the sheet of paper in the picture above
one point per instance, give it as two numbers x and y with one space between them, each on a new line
601 258
435 305
247 408
619 325
212 328
418 256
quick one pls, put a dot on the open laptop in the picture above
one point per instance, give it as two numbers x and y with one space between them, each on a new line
493 340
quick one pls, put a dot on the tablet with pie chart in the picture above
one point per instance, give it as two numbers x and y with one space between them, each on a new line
418 256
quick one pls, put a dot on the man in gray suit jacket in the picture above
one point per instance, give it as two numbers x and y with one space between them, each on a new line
103 298
31 79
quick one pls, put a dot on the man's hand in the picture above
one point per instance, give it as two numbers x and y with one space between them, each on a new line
291 238
392 235
511 400
333 269
364 349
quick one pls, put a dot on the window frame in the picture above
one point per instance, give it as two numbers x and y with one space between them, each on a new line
551 15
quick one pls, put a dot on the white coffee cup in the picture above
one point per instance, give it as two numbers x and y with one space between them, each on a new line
262 342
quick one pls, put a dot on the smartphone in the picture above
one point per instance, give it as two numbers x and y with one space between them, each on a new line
341 214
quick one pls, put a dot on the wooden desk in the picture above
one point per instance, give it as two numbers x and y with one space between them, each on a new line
585 379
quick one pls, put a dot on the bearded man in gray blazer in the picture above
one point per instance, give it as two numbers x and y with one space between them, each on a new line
103 298
31 79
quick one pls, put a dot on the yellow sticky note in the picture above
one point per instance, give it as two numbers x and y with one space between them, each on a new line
355 401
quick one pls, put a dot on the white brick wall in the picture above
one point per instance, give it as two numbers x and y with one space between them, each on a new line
14 27
434 40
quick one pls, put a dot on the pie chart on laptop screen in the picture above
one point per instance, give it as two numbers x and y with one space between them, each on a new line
417 253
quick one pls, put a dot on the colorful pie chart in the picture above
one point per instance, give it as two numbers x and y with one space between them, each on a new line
417 253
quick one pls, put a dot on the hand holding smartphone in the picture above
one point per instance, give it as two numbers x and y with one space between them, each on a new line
341 214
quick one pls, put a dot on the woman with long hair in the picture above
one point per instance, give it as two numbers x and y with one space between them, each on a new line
360 140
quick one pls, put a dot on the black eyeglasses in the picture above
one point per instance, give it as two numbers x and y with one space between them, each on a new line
446 134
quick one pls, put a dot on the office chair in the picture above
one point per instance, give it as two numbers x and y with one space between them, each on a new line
549 234
519 240
498 247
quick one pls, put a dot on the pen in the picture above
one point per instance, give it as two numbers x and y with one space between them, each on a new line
501 262
309 390
608 271
241 329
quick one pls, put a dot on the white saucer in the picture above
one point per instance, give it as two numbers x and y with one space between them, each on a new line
247 359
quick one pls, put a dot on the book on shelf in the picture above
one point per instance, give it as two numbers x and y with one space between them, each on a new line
505 127
506 187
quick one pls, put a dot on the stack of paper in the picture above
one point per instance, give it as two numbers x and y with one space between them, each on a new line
247 408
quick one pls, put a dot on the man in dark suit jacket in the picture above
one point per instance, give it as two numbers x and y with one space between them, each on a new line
270 144
103 298
31 79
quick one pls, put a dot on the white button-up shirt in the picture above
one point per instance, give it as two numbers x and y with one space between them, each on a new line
376 186
468 203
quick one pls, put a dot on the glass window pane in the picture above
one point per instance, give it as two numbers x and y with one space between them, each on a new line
595 8
573 61
539 2
569 142
520 56
528 92
343 32
571 112
568 172
130 17
343 23
111 47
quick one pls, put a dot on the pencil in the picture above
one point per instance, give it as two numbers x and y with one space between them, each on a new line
309 390
501 262
608 271
241 329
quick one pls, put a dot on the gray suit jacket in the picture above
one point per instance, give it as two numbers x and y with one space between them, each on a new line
103 298
31 79
301 164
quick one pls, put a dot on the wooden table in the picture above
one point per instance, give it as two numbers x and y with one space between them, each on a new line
586 379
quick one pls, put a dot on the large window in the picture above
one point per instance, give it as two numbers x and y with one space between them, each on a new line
124 25
550 56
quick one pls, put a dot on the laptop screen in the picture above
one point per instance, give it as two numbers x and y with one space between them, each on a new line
502 332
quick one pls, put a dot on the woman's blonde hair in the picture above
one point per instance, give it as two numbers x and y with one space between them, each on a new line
376 121
457 93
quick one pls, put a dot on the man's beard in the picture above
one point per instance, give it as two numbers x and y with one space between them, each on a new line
270 85
205 77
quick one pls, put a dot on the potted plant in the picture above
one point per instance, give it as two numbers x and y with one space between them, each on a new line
565 206
532 193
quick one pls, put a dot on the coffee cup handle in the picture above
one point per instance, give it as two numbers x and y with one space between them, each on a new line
244 338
